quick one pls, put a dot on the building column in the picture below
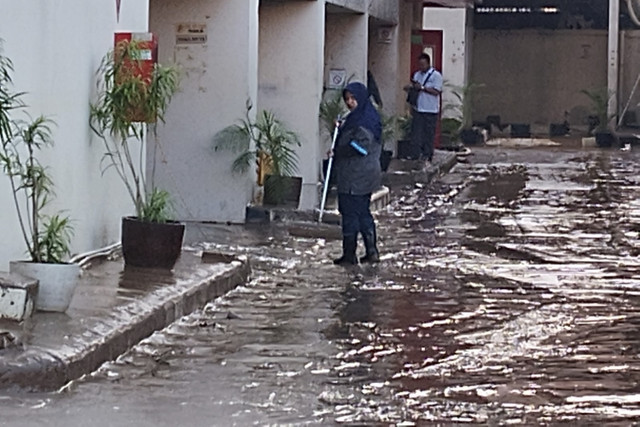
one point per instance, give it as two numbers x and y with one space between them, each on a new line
290 79
612 60
347 45
383 64
219 73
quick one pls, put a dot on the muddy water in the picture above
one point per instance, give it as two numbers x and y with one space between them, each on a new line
509 292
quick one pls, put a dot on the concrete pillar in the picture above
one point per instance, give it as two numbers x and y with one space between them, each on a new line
347 45
219 74
346 50
612 60
405 26
383 63
291 49
468 45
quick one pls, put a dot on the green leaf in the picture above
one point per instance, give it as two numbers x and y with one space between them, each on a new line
157 207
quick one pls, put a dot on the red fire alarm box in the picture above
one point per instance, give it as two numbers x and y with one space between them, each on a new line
137 69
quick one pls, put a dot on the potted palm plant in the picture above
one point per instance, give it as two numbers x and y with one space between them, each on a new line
332 107
129 104
600 103
406 150
450 127
464 95
270 145
47 237
388 133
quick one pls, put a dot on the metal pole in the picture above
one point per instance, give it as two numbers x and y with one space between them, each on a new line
612 71
328 173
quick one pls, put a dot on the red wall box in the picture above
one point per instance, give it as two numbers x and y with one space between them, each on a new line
141 67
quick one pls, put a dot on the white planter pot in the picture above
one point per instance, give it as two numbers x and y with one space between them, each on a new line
57 282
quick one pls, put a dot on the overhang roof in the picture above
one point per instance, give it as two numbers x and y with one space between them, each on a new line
449 3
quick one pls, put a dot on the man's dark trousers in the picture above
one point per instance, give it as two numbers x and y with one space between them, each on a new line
423 132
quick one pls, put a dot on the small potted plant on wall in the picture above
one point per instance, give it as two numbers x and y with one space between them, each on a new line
128 106
47 238
600 103
270 145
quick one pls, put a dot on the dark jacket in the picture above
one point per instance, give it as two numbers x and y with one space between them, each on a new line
357 173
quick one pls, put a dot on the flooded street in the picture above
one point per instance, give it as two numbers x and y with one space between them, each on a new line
508 292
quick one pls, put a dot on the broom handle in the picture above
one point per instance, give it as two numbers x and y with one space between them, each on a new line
328 174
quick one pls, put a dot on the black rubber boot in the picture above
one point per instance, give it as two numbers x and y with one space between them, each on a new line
372 255
348 257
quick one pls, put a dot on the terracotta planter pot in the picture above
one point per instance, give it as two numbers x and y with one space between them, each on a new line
151 244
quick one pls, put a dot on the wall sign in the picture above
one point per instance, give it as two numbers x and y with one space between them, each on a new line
337 78
191 33
385 35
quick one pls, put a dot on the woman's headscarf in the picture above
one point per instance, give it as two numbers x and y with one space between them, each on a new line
365 114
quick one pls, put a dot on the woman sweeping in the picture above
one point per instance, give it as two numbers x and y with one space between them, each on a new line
357 167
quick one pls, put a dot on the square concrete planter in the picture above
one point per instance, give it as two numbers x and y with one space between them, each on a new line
56 283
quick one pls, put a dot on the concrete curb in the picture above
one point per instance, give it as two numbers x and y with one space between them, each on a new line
39 369
261 214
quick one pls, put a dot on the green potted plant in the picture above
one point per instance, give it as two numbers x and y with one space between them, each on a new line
270 145
129 104
406 150
47 237
464 108
450 128
599 98
388 133
331 108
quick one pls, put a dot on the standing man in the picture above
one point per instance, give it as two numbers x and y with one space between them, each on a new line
428 81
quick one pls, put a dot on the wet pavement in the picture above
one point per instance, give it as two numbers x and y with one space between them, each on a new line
509 293
113 307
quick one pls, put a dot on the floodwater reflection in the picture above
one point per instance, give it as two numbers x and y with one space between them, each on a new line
508 293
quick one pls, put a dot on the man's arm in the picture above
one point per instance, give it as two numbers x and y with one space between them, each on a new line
435 86
432 91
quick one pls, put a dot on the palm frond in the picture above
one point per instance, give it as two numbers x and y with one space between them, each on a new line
244 161
235 138
331 108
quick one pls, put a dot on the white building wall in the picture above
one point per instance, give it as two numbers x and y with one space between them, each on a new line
453 23
56 47
217 79
290 79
